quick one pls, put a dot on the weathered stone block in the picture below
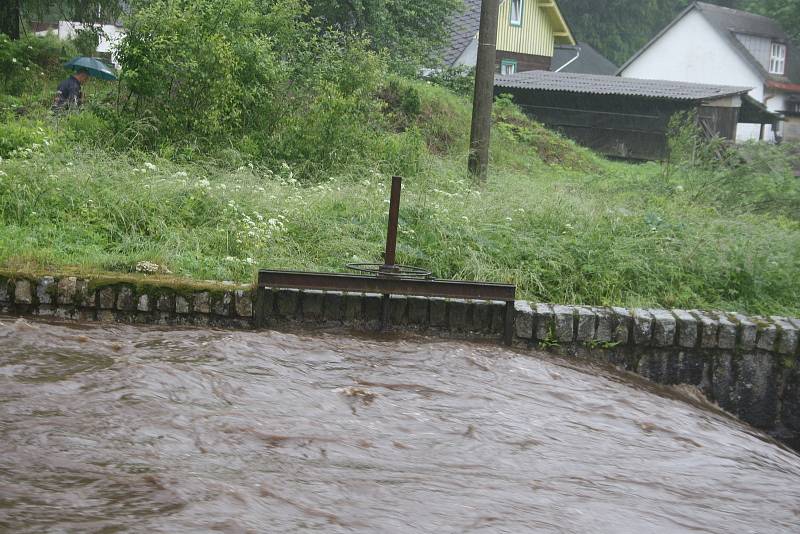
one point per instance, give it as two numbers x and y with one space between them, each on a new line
605 324
523 320
756 389
181 305
767 334
144 304
790 407
244 303
723 380
726 338
418 311
311 303
687 329
709 329
106 298
398 308
748 332
353 307
671 367
565 323
664 328
165 302
106 316
125 299
787 336
45 289
222 303
586 324
5 291
333 306
480 321
373 308
544 322
67 289
438 312
23 293
642 327
84 295
623 324
498 308
457 314
201 302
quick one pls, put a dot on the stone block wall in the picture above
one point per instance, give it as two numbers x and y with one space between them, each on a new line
748 365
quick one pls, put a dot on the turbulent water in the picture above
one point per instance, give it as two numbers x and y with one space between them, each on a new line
111 428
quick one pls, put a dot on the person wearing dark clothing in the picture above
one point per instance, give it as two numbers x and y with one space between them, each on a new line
69 94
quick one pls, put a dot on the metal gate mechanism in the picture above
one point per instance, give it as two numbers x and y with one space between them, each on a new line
392 279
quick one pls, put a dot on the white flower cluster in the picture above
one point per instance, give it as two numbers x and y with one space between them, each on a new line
147 267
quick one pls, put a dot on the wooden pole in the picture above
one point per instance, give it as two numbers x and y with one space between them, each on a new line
484 91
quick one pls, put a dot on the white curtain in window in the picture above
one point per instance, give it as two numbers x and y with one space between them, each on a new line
516 11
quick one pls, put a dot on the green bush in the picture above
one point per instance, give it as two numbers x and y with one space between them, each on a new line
252 75
22 138
24 62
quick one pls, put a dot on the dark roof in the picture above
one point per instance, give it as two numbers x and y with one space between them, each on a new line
614 85
464 27
728 22
590 61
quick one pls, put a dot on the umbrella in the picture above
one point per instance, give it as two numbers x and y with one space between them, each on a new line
93 66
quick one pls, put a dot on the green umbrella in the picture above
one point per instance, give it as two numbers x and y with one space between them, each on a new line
93 66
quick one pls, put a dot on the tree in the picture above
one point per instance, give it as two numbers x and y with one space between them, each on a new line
12 12
9 18
786 12
618 28
411 30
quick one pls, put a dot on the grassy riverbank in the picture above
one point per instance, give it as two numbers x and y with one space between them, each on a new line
563 224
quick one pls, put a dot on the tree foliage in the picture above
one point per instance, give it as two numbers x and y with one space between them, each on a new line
411 30
618 28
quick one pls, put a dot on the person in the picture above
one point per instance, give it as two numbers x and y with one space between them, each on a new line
69 94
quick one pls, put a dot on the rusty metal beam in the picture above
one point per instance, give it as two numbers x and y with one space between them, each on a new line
386 286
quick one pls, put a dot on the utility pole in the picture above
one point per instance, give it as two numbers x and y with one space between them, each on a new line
484 91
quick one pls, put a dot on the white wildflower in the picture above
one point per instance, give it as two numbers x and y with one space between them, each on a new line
229 258
204 183
250 261
180 174
3 173
13 60
147 267
679 189
150 167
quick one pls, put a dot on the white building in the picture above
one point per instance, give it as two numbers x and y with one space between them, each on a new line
717 45
110 36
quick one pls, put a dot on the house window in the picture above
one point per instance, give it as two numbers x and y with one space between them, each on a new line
508 66
777 59
516 13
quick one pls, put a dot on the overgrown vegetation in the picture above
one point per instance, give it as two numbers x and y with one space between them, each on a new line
288 166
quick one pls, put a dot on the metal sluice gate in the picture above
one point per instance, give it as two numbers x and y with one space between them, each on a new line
391 279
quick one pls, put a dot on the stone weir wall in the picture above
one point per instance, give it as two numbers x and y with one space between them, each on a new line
748 365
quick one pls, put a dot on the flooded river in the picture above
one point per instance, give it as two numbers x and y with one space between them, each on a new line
125 429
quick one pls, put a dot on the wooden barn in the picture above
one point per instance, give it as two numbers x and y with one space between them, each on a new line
625 117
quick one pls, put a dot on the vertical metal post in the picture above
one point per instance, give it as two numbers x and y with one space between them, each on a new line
389 259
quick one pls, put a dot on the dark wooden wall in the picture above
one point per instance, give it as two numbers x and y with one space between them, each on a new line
525 62
620 126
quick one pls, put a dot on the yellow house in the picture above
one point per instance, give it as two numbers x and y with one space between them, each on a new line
527 33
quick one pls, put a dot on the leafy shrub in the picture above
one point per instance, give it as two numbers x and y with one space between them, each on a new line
460 80
22 137
212 73
25 60
748 177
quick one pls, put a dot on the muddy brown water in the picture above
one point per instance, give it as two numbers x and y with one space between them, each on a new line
127 429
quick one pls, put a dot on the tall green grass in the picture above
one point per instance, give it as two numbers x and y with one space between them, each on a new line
603 236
